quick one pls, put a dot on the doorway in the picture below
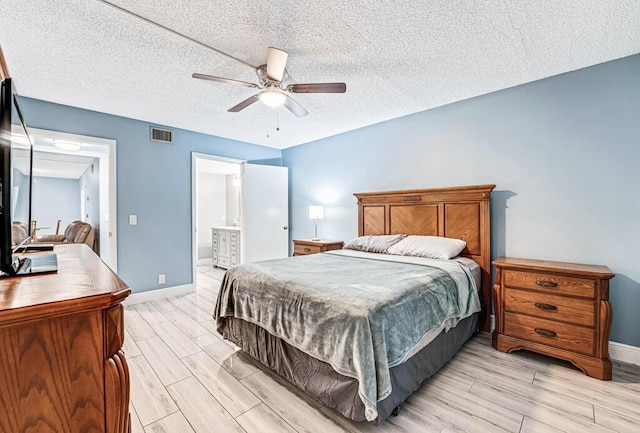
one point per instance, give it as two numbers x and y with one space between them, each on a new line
216 213
86 165
260 230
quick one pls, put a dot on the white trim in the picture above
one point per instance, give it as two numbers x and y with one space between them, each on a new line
624 352
154 295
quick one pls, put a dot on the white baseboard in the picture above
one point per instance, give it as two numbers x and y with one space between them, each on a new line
624 353
617 351
153 295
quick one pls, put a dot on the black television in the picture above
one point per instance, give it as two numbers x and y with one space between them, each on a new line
12 145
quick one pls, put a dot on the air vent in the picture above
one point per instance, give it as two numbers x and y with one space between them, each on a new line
161 135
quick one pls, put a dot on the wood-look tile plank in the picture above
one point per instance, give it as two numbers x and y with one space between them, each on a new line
234 361
137 327
201 409
149 397
232 394
616 421
497 369
530 425
287 403
447 391
179 343
533 395
136 427
130 348
619 400
188 325
192 310
163 305
394 424
150 313
539 405
164 362
436 406
174 423
261 419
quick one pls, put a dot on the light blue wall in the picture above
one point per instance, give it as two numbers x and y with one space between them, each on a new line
154 182
90 181
564 153
54 199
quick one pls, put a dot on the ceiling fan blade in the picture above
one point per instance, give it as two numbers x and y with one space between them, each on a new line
294 107
276 62
244 104
318 88
223 80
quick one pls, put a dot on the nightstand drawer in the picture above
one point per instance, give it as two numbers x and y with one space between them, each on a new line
550 283
553 307
568 337
302 249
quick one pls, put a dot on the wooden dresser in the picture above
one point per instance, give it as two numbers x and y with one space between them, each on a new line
62 368
302 247
558 309
225 244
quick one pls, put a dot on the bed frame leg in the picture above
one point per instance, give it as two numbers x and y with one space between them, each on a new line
396 411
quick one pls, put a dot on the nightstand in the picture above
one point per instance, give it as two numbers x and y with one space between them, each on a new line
554 308
303 247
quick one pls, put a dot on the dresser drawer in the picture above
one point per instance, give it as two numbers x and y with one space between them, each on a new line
550 283
554 307
301 249
568 337
224 261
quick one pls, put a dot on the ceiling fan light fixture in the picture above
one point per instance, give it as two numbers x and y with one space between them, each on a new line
272 97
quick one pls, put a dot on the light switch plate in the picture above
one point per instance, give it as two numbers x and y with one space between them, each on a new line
133 220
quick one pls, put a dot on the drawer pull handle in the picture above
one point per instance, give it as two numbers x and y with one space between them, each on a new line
306 250
545 332
546 283
546 306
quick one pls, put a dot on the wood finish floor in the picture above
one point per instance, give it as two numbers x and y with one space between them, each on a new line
186 379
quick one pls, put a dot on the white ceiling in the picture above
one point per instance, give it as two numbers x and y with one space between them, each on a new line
396 57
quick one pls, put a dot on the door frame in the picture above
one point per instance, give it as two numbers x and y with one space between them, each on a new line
195 156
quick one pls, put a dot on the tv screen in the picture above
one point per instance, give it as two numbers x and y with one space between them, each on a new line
16 166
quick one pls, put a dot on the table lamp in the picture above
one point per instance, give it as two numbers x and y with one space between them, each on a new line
316 213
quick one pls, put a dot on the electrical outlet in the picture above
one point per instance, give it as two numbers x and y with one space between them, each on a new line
133 220
161 279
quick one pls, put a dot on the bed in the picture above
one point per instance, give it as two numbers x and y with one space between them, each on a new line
330 324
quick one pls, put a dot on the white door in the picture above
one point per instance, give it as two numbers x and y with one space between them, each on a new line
264 212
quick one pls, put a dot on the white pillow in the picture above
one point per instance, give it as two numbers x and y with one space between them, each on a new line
373 244
434 247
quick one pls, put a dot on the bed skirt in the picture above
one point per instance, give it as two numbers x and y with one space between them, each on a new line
321 382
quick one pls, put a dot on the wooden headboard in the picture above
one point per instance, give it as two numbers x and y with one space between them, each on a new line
461 212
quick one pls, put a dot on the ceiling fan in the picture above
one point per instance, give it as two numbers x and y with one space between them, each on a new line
271 77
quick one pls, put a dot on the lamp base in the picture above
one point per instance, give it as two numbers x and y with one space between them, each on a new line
316 239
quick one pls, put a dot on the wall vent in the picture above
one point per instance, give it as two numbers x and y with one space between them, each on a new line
161 135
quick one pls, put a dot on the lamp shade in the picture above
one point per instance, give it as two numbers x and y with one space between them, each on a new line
316 212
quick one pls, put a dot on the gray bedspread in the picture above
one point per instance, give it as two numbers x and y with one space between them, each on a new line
361 316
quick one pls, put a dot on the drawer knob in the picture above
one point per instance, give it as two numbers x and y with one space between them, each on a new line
546 306
545 332
544 283
306 250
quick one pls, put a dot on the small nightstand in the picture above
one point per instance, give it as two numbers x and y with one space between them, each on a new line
554 308
303 247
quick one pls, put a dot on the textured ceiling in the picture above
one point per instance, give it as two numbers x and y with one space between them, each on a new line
396 57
